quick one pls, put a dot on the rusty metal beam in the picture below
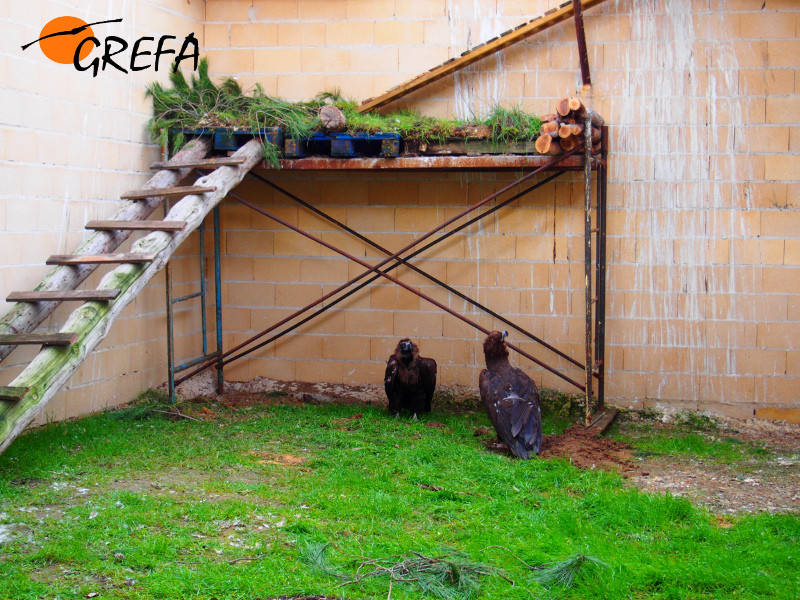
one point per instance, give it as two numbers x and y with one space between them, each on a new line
423 163
405 286
421 272
583 54
364 284
547 166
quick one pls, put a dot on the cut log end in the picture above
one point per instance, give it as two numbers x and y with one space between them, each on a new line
547 144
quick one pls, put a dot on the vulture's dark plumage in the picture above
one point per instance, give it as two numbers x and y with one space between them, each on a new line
409 380
511 399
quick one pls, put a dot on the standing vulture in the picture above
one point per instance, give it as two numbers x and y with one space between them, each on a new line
409 380
511 399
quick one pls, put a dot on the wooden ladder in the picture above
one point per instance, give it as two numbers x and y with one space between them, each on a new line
62 352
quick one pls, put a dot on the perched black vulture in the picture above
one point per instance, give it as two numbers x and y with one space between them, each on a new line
511 399
409 380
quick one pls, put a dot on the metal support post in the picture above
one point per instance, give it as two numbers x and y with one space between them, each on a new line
587 207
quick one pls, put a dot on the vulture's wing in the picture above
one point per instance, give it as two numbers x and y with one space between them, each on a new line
520 425
390 384
490 395
427 377
524 386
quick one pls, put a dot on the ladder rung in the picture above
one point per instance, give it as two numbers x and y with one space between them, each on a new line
137 225
85 259
182 190
60 295
12 393
207 163
38 339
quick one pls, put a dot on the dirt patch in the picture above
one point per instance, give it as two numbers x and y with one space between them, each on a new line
273 458
586 450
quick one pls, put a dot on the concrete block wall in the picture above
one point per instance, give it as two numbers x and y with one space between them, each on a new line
704 255
703 281
70 144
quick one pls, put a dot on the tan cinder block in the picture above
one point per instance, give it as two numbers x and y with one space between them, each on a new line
782 53
278 269
349 33
321 10
417 324
400 33
316 371
296 296
371 219
345 347
791 254
217 36
779 335
389 296
323 271
234 268
230 61
415 59
299 346
782 110
249 243
417 218
783 167
253 35
301 35
760 362
324 60
272 10
251 294
781 280
372 322
290 243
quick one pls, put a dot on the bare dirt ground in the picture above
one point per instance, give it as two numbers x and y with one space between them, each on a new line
769 483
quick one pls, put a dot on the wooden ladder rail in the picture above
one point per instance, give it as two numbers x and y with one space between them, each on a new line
24 317
53 366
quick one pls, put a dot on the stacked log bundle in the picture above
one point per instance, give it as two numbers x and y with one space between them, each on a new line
562 130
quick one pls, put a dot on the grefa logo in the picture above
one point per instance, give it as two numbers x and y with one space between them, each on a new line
70 40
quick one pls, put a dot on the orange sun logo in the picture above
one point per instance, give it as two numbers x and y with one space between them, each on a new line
60 38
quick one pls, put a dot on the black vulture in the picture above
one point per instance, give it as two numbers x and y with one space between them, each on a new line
409 380
511 399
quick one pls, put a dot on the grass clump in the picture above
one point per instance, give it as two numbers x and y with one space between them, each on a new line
512 124
199 104
563 572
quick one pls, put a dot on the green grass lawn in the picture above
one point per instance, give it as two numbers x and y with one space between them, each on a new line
279 500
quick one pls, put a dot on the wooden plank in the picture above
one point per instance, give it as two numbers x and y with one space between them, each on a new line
27 316
38 339
181 190
100 259
208 163
12 394
61 295
136 225
601 420
549 19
